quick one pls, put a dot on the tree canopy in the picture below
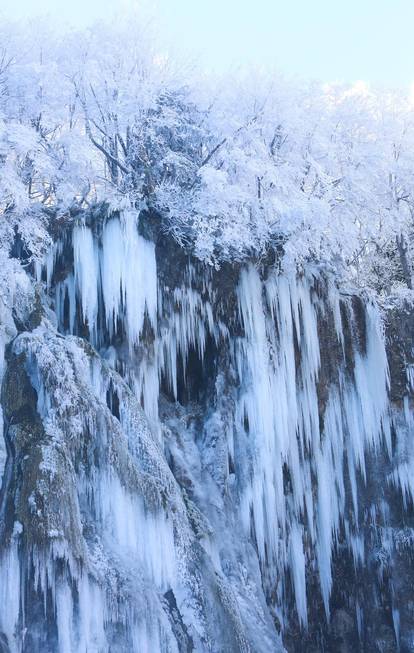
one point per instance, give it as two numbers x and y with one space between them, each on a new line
233 166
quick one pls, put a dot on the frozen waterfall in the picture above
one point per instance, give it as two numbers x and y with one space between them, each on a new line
141 523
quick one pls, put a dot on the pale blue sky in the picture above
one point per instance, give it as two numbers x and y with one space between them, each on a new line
344 40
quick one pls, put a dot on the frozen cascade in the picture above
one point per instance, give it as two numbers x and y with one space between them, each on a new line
129 518
129 276
279 401
223 498
140 536
115 282
122 271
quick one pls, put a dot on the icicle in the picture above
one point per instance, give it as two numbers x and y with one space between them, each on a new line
372 382
143 538
188 319
91 617
396 624
265 496
124 270
146 385
410 377
10 595
359 619
66 291
297 565
279 402
129 276
112 271
87 275
64 617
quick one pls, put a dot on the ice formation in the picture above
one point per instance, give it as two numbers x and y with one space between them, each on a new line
273 456
122 270
279 402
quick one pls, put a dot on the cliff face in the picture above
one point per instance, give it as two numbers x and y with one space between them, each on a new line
201 459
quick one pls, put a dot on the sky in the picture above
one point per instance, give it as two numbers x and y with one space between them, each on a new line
328 40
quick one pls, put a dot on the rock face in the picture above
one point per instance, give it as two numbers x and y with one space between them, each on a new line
200 459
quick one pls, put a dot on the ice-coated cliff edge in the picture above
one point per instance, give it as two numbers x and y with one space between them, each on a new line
199 459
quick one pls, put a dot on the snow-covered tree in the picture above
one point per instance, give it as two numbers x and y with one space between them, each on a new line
232 166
